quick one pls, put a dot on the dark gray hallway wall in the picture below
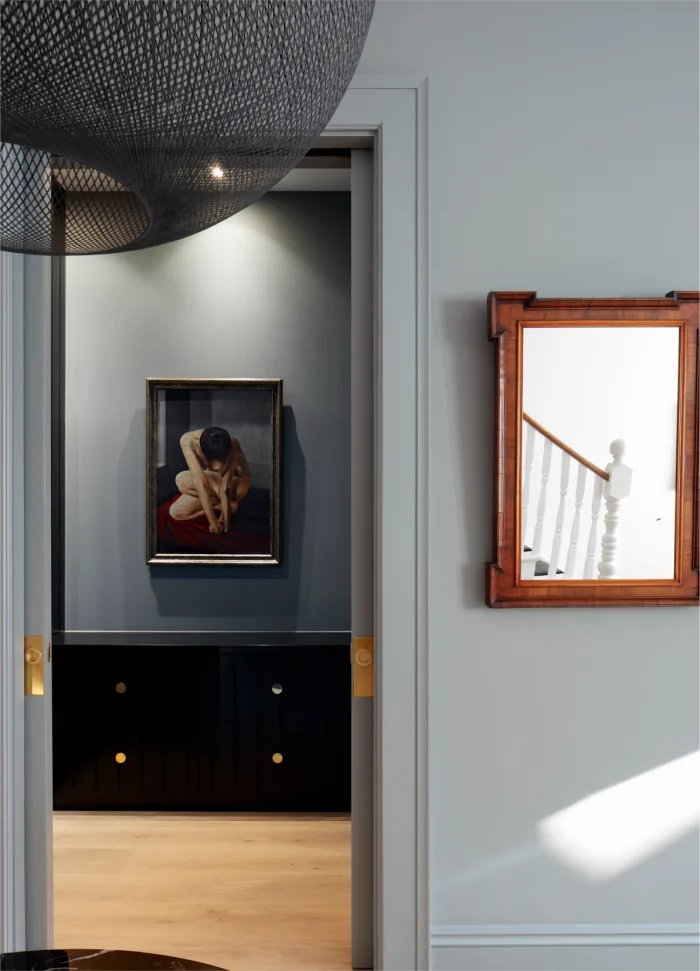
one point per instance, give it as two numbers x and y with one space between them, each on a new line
264 294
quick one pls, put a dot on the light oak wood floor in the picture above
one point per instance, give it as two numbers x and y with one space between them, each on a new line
254 892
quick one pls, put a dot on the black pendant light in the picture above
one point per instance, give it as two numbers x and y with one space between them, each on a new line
128 123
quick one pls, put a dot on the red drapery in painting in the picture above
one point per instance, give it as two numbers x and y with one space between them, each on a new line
193 536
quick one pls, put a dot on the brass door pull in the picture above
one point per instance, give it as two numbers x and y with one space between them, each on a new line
363 667
33 665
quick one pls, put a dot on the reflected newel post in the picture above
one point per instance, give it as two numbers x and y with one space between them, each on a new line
615 490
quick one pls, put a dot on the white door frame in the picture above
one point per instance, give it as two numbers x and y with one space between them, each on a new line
394 109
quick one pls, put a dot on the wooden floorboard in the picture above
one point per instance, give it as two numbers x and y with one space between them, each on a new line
255 892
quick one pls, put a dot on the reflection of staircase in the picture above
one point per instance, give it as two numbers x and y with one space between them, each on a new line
533 565
612 483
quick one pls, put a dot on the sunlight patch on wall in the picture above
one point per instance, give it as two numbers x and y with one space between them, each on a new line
618 828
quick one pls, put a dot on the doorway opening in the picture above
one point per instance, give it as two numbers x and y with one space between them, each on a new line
205 736
395 110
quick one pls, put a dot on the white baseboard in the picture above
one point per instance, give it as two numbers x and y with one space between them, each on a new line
563 935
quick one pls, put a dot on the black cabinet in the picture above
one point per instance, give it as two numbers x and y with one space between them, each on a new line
201 728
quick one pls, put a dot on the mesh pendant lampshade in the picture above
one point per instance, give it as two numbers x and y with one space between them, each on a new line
128 123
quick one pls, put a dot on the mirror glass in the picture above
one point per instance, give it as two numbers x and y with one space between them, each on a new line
588 513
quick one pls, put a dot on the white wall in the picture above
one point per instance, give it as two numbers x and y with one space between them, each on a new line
563 158
589 386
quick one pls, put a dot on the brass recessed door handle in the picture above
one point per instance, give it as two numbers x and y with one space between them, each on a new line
363 667
33 665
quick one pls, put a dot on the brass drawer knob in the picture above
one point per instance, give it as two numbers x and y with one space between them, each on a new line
121 688
277 758
120 758
277 689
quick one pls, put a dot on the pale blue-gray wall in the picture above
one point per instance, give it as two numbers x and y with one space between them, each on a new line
264 294
563 158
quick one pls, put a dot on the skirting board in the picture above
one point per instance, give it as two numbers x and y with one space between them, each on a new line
635 957
563 935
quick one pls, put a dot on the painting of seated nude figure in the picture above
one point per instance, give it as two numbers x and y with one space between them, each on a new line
214 471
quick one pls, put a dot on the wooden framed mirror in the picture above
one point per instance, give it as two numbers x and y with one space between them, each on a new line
596 459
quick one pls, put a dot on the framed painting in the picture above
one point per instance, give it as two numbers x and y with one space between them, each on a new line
213 471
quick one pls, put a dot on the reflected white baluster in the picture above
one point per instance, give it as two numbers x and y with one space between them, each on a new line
542 503
593 535
615 490
559 525
575 526
529 453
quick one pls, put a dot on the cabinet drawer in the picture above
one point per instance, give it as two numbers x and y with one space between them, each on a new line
135 684
199 728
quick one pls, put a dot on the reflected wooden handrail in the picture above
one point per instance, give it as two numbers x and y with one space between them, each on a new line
566 448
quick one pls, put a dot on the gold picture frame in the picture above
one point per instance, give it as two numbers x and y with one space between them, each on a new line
213 471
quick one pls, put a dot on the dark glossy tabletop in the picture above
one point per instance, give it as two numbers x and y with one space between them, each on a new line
97 960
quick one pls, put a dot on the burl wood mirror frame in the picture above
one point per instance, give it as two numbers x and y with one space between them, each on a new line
508 314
